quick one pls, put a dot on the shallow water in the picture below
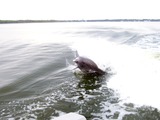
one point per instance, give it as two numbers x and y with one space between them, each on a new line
37 80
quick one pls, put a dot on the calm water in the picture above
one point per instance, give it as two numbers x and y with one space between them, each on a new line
37 80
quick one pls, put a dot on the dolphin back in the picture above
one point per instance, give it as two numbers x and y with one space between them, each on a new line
100 72
89 65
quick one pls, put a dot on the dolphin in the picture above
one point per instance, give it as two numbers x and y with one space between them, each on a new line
87 66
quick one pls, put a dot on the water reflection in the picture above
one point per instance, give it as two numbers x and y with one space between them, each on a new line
95 96
90 82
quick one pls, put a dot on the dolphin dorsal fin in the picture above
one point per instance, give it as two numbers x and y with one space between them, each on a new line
76 54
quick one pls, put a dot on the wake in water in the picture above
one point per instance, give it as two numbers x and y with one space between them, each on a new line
136 71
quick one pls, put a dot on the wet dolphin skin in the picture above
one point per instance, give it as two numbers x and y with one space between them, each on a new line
87 66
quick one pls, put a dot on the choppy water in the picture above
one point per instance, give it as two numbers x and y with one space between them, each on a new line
37 80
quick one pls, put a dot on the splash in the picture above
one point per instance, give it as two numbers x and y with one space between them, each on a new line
136 72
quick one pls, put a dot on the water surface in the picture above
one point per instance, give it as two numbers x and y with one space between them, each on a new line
37 80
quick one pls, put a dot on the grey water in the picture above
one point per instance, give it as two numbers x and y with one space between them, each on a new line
37 80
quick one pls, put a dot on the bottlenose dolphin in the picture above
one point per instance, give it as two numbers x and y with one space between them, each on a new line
87 66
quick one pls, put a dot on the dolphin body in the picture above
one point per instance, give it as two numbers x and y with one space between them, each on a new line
87 66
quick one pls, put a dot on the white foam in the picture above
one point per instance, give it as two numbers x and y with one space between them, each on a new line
137 73
71 116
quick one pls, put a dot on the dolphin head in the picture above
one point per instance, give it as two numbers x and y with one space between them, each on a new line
77 61
84 64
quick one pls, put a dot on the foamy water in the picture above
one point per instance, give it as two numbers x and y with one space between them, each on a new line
136 69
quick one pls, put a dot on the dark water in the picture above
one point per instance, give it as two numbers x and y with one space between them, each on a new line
37 80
